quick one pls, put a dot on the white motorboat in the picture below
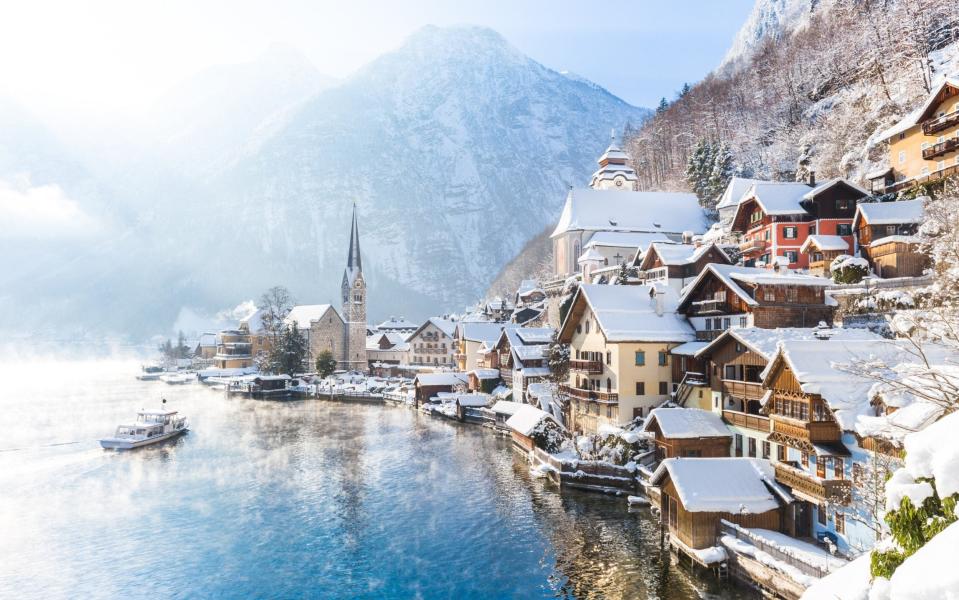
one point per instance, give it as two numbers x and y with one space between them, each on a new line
150 373
177 378
151 426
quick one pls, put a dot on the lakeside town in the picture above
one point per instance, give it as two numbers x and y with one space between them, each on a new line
776 380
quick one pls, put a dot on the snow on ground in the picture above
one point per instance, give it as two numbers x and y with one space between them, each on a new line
848 583
930 572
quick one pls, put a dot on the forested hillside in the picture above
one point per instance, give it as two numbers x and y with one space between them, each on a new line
809 98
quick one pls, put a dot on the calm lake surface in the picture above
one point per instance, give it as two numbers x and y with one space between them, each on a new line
293 500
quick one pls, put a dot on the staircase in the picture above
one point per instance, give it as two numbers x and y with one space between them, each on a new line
685 388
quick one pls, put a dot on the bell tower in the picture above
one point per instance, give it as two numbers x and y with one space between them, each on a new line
353 291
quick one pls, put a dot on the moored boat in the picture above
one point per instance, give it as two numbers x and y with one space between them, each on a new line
150 373
151 426
177 378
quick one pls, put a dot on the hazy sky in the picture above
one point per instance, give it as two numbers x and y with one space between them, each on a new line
119 55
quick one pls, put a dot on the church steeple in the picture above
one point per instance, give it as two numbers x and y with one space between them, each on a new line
354 304
614 173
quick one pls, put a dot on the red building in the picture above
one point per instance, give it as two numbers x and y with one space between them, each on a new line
775 219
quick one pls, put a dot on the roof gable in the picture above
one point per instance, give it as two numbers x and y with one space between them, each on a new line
627 211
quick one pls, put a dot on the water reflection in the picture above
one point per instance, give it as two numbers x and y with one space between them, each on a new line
296 499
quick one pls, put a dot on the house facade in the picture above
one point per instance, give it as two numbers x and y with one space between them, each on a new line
620 339
323 329
233 350
678 264
923 146
433 343
774 219
885 237
470 338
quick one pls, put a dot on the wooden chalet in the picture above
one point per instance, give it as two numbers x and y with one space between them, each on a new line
821 250
687 432
885 236
665 261
696 493
428 385
725 296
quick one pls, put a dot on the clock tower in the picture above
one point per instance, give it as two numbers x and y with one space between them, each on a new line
353 291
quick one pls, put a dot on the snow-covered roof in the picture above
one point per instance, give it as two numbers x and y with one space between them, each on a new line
825 243
890 213
474 399
535 335
732 275
485 373
687 423
442 378
765 342
625 239
507 407
525 420
913 118
628 313
447 327
778 198
304 314
590 254
523 350
679 254
734 191
895 239
730 485
612 210
825 185
207 340
480 332
688 349
400 323
254 321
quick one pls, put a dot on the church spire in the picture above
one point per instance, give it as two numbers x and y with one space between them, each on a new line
354 262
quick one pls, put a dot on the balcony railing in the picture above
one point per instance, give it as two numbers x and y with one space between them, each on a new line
941 148
586 366
657 274
747 390
708 307
837 491
593 395
752 246
746 420
912 182
811 431
939 123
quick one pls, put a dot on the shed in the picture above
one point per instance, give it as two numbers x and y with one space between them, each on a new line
688 432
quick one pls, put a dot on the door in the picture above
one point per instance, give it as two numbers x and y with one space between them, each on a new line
803 515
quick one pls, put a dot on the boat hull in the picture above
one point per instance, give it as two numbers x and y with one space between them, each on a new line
125 444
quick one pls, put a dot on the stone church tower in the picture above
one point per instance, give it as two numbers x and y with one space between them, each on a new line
354 306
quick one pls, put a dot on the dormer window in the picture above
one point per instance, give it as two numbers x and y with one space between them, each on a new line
842 204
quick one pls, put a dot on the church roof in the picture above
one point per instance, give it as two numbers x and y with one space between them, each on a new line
354 262
304 314
647 212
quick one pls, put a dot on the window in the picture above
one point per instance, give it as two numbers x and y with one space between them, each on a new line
739 444
842 203
609 411
587 326
579 328
805 459
609 385
789 233
837 467
792 294
638 412
640 358
663 360
640 388
766 235
857 474
663 388
769 296
693 453
742 321
844 229
840 523
673 513
752 447
609 357
716 402
812 229
729 372
791 256
821 514
726 323
709 324
767 449
902 157
902 135
780 453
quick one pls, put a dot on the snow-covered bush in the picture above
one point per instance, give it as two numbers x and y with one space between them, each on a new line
548 435
849 269
614 445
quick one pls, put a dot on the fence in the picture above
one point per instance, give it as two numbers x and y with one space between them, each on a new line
780 554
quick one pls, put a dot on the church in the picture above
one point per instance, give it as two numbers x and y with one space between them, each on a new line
342 333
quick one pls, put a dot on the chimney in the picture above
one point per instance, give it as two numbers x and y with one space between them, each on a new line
687 237
812 178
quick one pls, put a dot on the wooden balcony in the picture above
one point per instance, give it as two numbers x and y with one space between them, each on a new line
810 431
708 307
938 124
586 366
708 335
836 491
950 145
746 420
752 246
747 390
592 395
913 182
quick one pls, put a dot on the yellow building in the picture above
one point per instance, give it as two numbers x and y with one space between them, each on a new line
620 338
233 350
924 146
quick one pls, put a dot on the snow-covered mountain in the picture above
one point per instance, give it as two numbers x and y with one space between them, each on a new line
769 19
456 147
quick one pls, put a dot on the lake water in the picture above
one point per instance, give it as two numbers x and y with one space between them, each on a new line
292 500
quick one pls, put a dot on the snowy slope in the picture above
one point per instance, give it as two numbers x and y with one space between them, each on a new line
769 19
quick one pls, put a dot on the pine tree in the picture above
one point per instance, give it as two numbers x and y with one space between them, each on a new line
663 106
719 176
292 351
626 272
325 364
557 360
685 90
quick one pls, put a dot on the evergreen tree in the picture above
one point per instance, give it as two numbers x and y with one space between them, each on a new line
685 90
626 272
325 364
557 360
663 106
293 350
719 175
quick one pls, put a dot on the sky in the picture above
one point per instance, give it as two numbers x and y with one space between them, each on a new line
120 55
